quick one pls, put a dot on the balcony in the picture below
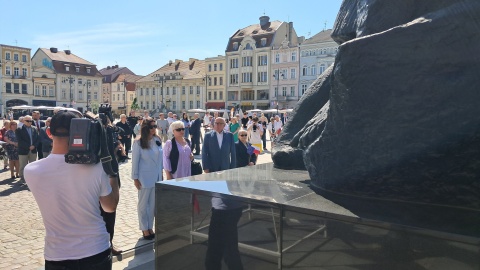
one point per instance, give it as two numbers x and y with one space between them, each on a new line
18 77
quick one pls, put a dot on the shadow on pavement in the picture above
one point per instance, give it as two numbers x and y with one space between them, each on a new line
15 186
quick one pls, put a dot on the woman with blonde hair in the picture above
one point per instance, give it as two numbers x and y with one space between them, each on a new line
177 154
146 171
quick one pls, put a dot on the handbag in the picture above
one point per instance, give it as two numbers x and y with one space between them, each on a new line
196 168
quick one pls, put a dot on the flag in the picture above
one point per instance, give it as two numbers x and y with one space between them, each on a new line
196 205
256 149
250 149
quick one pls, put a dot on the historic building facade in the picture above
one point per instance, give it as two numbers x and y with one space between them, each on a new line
316 55
215 83
118 88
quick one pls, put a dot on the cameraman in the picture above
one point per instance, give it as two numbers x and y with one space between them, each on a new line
68 196
255 131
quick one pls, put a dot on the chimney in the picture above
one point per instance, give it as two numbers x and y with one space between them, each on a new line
264 20
290 30
108 67
68 52
53 50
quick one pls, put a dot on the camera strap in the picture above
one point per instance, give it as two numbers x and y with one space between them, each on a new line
105 156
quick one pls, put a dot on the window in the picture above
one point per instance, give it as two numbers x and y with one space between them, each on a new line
294 56
153 104
293 73
284 91
314 70
95 82
209 81
263 42
234 63
131 96
235 46
148 105
183 104
79 81
221 66
88 70
292 91
64 94
118 87
198 104
67 68
277 58
198 90
174 90
215 95
8 71
50 91
24 89
246 77
233 78
141 105
209 95
24 58
16 71
221 95
214 67
15 57
7 56
262 76
304 88
191 90
89 96
221 80
77 69
322 69
168 90
37 90
215 81
275 92
285 74
80 95
190 103
209 67
305 70
262 60
174 106
44 90
123 96
183 90
248 47
153 91
147 92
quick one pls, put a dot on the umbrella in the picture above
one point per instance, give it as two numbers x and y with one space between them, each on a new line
226 114
254 111
285 110
270 111
22 107
196 110
214 110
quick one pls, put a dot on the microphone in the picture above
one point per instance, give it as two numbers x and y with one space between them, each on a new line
158 143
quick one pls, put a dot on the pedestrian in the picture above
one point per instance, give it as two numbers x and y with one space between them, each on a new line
28 139
132 121
163 125
234 128
271 131
170 120
277 125
147 166
126 137
138 126
196 133
219 154
38 124
245 120
244 150
12 150
46 138
264 121
5 128
255 131
20 122
177 154
68 197
186 123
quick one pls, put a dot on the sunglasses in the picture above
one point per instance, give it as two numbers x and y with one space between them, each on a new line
180 129
244 135
153 126
28 121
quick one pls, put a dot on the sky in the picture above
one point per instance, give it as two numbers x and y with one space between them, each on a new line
144 35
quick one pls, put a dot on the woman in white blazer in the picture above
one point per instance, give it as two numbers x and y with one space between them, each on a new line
147 166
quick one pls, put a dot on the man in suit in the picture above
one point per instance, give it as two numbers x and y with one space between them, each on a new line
219 154
195 133
38 124
46 138
28 140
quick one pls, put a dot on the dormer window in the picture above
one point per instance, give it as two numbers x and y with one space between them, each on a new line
263 42
88 70
77 68
248 46
67 67
235 46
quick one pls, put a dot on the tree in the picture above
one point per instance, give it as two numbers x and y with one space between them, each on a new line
134 105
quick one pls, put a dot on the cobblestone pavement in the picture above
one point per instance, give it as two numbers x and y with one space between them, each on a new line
21 227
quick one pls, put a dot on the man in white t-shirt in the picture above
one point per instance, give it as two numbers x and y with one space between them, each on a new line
277 125
170 121
68 196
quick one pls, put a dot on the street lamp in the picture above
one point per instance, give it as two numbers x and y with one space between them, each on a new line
88 84
160 79
125 94
70 80
277 77
207 79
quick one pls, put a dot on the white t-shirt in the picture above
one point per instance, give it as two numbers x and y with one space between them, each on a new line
68 198
255 136
277 125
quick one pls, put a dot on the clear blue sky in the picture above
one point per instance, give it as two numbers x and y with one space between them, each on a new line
144 35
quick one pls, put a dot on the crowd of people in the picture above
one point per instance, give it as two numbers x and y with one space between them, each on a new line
159 147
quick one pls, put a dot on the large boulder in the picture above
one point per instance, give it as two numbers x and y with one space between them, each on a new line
402 122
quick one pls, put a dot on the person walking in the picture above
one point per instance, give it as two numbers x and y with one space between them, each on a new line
147 166
234 128
177 154
46 138
38 124
28 139
126 137
5 128
219 154
196 134
264 121
12 149
186 123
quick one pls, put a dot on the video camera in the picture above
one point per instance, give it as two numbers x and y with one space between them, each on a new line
88 142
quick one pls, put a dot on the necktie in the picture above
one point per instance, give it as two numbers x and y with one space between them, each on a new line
38 125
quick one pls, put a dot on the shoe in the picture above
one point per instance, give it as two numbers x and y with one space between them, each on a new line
116 251
148 237
12 177
128 157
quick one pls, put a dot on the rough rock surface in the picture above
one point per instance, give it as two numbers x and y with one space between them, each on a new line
402 122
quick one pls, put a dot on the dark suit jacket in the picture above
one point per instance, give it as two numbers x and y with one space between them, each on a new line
45 140
24 140
195 128
242 155
215 159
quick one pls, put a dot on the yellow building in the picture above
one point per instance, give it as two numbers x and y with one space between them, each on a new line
177 86
215 82
15 78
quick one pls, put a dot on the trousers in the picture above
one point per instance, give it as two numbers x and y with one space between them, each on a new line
100 261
